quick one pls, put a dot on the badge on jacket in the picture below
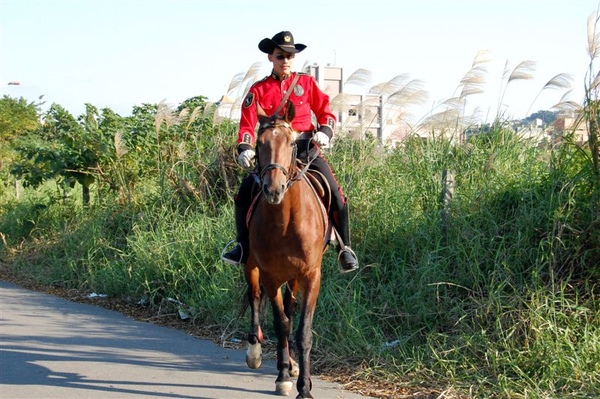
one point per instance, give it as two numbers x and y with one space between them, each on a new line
298 90
248 100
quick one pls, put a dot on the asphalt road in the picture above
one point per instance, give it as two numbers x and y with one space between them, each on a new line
53 348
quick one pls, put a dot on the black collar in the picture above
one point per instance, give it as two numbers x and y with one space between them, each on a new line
277 77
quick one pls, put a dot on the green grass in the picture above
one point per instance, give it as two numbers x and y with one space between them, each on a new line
496 299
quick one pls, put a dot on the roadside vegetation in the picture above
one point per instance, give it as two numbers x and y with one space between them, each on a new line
480 256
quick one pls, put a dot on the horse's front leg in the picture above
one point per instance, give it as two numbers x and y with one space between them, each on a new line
255 336
290 303
281 325
304 335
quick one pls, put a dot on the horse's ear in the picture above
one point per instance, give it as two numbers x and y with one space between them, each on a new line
290 112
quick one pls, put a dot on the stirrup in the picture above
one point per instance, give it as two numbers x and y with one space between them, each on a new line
349 250
232 261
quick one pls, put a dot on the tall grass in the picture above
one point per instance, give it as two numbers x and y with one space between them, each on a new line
497 302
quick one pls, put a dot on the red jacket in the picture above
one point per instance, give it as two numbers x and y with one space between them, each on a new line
268 92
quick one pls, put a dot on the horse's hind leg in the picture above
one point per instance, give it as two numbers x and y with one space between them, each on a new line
290 302
255 336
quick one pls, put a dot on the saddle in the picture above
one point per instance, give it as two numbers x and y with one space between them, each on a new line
320 187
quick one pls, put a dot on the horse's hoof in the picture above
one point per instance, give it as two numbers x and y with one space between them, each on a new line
295 370
254 356
284 388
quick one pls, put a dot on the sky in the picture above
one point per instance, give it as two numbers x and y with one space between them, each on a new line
122 53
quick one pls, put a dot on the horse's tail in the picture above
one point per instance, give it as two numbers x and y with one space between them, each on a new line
246 302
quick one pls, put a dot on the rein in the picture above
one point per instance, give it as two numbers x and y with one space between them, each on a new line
292 177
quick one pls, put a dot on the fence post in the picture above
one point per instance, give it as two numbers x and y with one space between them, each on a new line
445 199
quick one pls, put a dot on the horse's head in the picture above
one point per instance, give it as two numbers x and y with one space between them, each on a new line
276 153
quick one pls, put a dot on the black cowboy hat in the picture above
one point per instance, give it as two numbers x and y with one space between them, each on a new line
284 40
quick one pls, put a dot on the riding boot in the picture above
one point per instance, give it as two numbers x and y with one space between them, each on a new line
239 254
346 256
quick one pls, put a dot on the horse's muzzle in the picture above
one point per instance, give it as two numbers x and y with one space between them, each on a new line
275 195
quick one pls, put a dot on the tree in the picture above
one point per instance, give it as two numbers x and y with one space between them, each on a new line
61 148
547 117
17 117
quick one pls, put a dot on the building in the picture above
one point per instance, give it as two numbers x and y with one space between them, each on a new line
570 125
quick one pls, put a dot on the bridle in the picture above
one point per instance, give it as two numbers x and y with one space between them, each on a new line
288 172
292 174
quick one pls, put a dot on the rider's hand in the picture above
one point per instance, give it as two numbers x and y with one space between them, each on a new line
321 139
245 158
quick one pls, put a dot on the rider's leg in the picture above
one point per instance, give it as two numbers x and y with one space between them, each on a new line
239 254
339 215
346 256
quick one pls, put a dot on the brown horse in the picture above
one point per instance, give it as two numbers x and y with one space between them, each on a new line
287 238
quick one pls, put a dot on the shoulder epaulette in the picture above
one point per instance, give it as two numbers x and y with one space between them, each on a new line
259 81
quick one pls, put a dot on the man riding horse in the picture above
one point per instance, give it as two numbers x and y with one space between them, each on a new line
267 97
